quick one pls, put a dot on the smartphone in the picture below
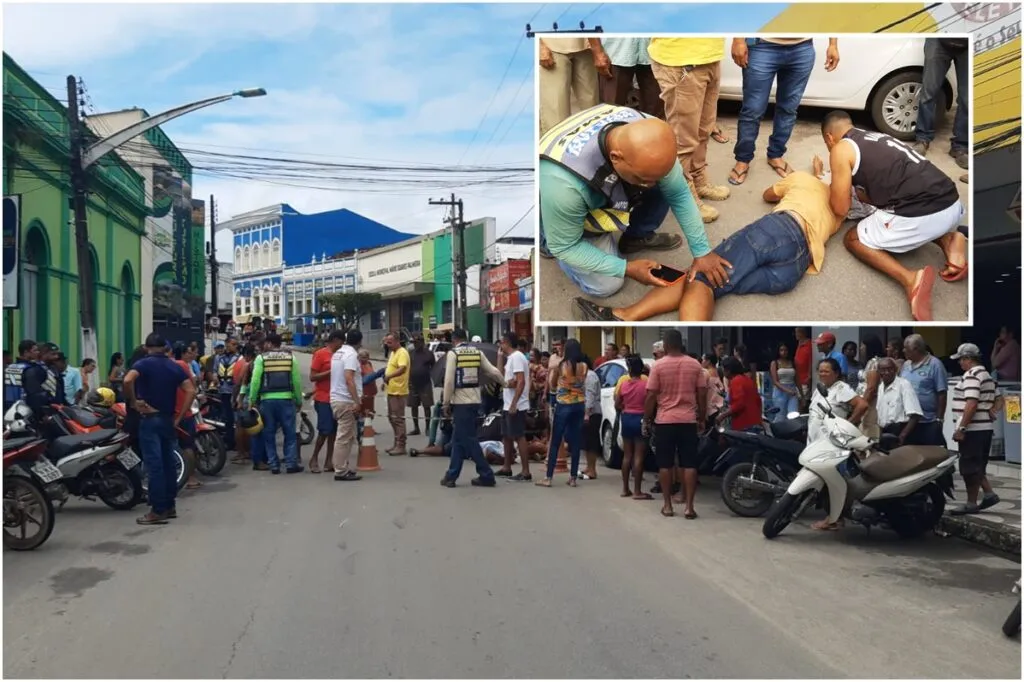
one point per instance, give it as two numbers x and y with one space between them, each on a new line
667 274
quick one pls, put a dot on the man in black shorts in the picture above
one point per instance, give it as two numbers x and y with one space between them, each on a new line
677 394
421 387
515 405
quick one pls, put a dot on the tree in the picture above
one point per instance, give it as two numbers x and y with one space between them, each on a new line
348 308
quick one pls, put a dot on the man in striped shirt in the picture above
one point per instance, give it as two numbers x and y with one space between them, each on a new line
974 401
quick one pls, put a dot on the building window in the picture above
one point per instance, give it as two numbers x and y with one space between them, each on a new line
377 319
446 312
256 256
276 303
246 260
238 258
266 255
275 253
291 309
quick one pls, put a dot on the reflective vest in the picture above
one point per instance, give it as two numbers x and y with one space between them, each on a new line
576 145
277 372
13 391
225 372
50 384
467 366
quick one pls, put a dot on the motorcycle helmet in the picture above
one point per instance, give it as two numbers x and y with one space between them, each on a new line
101 397
17 418
250 421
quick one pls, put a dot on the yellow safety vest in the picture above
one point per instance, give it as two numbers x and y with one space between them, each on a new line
467 367
277 372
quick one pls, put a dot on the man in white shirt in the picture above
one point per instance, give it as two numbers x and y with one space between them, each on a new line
516 403
899 410
346 402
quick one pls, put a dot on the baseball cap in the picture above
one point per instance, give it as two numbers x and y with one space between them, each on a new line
966 350
659 346
825 337
49 348
476 339
220 344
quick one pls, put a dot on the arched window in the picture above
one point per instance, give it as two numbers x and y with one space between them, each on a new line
246 260
238 259
257 296
34 284
276 302
256 256
266 255
275 253
238 303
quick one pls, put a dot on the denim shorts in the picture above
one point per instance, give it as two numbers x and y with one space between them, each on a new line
768 256
629 424
325 423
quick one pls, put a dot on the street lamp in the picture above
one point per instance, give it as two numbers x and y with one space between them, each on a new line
83 158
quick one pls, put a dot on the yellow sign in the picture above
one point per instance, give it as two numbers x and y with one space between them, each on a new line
1012 408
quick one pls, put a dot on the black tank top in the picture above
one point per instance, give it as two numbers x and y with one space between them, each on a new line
897 179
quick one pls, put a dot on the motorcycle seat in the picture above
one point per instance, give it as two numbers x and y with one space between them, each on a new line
790 429
86 418
786 448
18 443
904 461
65 445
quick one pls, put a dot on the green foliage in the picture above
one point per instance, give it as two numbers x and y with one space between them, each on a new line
349 307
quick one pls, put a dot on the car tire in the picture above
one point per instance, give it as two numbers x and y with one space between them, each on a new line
610 452
901 90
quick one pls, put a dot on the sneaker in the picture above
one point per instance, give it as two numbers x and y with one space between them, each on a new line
447 482
921 147
483 482
652 241
989 500
295 470
708 214
961 156
713 192
275 470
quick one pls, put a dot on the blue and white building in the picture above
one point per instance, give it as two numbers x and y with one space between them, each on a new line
277 250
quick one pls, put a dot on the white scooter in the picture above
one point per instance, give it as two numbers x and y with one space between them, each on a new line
98 463
904 488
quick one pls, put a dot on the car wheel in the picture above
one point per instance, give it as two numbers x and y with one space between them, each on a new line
610 453
894 105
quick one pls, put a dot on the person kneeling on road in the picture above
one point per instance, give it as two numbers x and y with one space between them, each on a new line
612 169
768 256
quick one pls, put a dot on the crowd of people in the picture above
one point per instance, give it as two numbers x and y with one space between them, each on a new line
609 176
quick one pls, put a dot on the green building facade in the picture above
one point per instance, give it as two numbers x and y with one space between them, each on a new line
36 152
437 268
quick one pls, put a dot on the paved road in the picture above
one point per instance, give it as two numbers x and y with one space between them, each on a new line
844 290
394 576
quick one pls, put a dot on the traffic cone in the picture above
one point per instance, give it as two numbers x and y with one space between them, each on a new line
367 460
562 459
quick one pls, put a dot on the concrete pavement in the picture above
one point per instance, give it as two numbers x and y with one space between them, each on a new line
845 289
394 576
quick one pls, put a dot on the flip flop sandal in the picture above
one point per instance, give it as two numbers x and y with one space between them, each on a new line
520 477
503 474
720 137
690 515
643 496
588 311
571 483
959 272
196 485
737 178
924 290
626 494
314 469
668 513
782 170
544 483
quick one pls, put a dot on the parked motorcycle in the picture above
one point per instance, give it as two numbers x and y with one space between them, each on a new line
305 429
1012 625
905 489
211 455
757 468
27 472
182 467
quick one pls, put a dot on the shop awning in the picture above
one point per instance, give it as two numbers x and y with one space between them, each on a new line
407 290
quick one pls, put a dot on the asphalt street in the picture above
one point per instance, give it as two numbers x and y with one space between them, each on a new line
845 290
394 576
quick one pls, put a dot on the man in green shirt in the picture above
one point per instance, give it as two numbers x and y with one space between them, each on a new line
276 391
612 169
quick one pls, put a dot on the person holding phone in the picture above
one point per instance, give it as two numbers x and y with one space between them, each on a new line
768 256
610 170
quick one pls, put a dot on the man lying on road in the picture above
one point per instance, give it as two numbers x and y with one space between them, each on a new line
769 256
612 169
915 203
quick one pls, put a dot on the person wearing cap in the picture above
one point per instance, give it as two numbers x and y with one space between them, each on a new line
224 369
974 401
826 343
42 383
70 386
927 375
151 388
276 390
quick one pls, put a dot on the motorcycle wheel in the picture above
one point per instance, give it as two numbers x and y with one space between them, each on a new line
1012 625
910 525
181 472
130 481
21 492
306 431
747 503
782 514
211 456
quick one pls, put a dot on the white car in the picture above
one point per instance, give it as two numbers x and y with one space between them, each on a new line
879 75
609 374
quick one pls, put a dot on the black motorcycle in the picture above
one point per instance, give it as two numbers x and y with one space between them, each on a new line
1012 625
757 468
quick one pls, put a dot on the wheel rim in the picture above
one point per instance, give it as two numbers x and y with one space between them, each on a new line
899 107
22 506
748 499
606 446
206 453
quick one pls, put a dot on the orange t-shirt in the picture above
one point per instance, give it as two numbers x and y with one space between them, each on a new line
238 370
322 363
180 395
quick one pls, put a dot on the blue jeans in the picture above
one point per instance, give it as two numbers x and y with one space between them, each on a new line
768 256
937 58
279 413
156 441
790 66
465 444
785 402
227 415
645 218
568 424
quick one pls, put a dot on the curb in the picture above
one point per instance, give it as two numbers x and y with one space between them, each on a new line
991 534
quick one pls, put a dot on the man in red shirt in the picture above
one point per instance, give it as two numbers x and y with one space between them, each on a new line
802 359
677 393
326 426
744 400
611 351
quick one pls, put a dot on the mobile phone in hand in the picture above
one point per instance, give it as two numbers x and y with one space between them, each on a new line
667 274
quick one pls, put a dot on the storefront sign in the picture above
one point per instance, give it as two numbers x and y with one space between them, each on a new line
398 267
502 288
12 229
432 321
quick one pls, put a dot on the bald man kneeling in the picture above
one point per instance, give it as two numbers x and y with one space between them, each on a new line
609 170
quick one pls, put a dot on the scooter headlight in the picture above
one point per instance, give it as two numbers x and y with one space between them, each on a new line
841 440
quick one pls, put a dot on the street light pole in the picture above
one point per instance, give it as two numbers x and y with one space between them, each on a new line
82 159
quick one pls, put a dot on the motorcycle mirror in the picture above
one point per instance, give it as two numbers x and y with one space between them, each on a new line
792 415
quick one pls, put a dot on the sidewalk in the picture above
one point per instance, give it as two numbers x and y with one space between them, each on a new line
997 528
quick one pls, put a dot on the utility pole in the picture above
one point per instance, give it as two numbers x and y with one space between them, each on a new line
457 221
79 197
211 250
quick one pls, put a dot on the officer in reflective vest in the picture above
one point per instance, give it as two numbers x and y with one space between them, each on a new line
28 354
276 389
611 169
466 368
224 366
38 385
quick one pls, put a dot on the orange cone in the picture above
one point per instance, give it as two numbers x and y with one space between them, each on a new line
367 460
562 459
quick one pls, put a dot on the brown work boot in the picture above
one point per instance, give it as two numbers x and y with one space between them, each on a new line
705 190
708 214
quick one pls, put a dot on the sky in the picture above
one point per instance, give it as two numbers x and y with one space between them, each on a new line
354 83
